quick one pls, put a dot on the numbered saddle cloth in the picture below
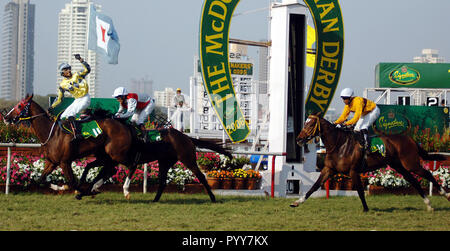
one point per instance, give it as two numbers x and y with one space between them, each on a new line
90 129
377 145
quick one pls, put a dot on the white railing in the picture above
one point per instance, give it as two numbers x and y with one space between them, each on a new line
8 163
23 145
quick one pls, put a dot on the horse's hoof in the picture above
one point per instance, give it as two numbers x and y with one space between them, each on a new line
127 196
294 204
78 196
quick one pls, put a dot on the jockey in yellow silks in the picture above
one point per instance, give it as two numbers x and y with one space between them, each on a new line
78 87
365 113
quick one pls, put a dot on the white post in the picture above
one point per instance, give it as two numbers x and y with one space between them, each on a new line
8 171
145 179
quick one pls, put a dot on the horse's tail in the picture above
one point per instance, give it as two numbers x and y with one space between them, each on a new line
212 146
427 156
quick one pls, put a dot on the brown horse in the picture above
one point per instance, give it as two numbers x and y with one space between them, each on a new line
60 150
175 146
345 155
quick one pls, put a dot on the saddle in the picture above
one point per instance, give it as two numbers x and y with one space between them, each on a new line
87 127
376 145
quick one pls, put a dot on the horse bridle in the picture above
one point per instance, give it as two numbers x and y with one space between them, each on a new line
23 114
312 133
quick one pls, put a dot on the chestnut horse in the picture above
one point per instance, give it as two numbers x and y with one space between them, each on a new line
345 155
60 150
174 146
115 145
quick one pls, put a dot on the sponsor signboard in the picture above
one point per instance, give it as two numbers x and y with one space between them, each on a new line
395 119
412 75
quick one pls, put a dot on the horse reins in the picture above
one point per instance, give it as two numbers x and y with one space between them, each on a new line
31 117
317 126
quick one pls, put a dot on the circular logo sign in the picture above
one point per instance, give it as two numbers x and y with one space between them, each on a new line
404 76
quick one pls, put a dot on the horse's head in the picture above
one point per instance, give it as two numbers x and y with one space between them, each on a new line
21 110
311 129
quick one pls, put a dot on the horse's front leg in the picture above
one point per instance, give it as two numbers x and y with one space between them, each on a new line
68 175
126 184
48 169
324 175
357 184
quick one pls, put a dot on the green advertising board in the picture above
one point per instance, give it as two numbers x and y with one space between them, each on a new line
329 25
395 119
412 75
108 104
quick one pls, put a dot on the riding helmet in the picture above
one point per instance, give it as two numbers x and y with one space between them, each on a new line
347 93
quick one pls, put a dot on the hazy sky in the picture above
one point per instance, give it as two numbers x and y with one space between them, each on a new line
159 39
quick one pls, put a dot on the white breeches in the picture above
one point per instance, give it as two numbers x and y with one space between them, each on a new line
140 116
365 121
77 106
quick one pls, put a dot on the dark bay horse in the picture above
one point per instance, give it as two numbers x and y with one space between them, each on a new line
345 155
174 146
58 147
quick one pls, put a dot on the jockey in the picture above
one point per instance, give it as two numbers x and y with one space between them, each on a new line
366 112
78 87
139 106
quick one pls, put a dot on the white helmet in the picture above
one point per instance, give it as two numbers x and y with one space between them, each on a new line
120 91
347 93
63 66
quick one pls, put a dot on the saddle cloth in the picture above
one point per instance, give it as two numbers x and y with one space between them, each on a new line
377 145
90 129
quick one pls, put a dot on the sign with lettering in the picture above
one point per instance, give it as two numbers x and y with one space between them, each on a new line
329 54
395 119
412 75
214 58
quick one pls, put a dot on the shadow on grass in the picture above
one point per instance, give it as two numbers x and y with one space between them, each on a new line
392 209
175 201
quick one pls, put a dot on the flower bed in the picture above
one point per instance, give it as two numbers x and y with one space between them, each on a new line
17 134
236 179
26 171
389 178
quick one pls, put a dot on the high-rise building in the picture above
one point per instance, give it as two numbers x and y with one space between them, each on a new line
143 85
429 56
17 50
73 31
164 98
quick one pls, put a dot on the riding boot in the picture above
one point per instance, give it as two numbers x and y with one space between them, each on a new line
365 132
144 135
73 124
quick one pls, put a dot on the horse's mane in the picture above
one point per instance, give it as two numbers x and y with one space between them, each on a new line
342 133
